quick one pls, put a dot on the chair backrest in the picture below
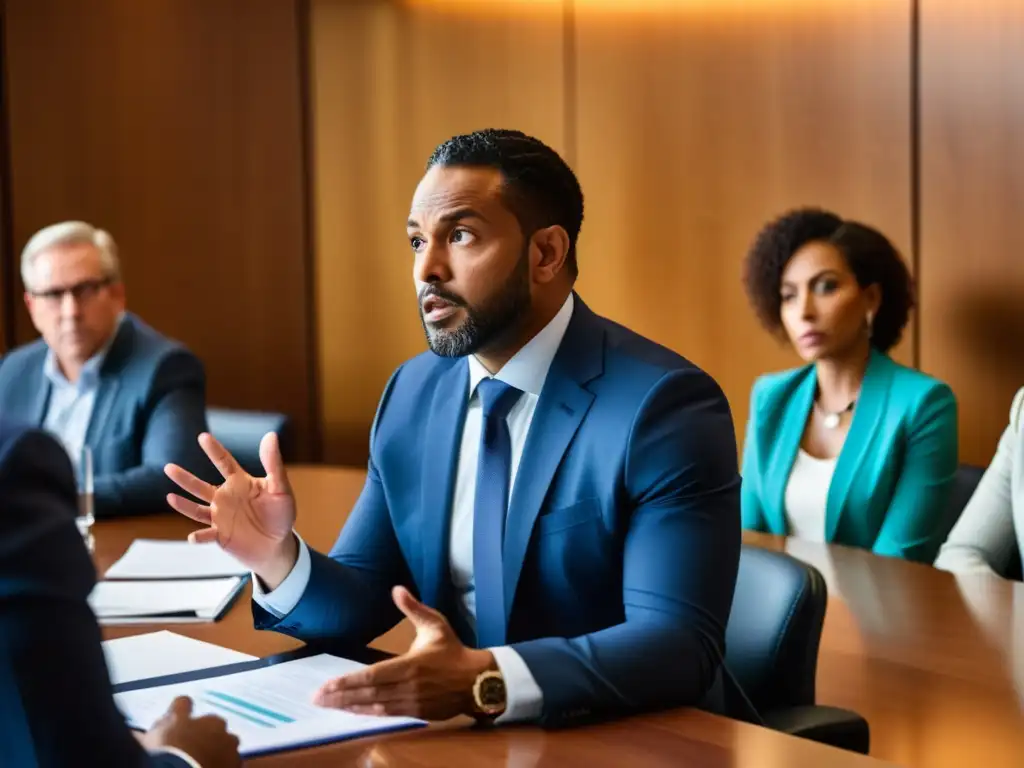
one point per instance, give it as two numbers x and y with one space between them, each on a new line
964 484
774 631
241 431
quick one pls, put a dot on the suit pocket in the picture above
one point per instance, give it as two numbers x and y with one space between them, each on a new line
562 518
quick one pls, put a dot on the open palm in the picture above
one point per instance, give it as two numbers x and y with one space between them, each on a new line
250 517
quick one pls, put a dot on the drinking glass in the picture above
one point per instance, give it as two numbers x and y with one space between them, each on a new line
85 518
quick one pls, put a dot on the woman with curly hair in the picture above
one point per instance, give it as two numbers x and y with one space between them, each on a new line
851 448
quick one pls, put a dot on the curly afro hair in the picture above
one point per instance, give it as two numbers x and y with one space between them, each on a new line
869 254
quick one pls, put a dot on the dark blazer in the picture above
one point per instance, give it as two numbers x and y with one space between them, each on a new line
149 410
623 533
57 705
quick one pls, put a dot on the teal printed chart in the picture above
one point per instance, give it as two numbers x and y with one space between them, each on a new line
269 709
251 712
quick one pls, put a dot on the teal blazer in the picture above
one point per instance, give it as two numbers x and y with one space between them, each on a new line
893 476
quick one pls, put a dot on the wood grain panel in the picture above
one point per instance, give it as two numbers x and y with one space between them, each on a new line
972 198
391 81
7 269
697 122
177 126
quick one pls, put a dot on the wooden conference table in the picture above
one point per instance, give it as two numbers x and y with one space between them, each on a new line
935 662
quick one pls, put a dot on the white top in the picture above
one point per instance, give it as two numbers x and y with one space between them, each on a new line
807 495
526 371
70 406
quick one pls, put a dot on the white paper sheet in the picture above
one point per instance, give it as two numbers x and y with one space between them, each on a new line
269 708
179 600
155 654
160 559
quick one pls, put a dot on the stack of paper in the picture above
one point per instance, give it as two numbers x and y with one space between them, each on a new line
156 654
268 708
182 600
168 581
156 559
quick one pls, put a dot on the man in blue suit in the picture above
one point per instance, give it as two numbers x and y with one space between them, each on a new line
58 709
101 377
551 499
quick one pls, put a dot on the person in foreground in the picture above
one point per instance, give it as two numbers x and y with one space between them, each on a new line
58 709
551 499
990 532
101 377
851 448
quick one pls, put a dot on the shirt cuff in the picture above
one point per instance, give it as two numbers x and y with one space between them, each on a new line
963 561
524 699
283 600
189 760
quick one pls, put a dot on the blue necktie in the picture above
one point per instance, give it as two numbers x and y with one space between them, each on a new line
490 509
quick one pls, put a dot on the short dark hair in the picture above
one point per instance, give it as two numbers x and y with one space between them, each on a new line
869 254
540 188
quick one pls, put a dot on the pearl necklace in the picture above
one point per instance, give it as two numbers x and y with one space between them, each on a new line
831 418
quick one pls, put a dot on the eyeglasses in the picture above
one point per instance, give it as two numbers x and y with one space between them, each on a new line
81 292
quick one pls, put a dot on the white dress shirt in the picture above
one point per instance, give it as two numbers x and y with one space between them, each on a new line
70 406
807 496
526 371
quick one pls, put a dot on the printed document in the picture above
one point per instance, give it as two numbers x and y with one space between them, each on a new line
155 654
269 708
160 559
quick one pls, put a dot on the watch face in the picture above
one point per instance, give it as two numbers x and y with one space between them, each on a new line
492 692
489 693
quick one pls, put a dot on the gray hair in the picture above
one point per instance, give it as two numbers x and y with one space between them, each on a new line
71 233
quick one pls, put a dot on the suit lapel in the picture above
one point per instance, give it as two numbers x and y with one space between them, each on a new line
110 383
797 408
447 415
560 410
867 416
41 386
105 397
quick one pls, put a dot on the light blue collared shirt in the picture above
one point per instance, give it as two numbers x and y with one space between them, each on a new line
527 371
70 407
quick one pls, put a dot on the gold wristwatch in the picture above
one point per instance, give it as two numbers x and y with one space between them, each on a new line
489 696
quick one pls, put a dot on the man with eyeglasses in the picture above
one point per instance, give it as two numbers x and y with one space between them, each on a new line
99 376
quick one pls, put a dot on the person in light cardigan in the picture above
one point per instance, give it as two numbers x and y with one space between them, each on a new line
992 524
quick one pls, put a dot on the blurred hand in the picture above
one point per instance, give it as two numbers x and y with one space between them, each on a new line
433 680
250 517
204 739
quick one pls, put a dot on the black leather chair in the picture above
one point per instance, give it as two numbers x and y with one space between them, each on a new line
241 431
772 652
967 478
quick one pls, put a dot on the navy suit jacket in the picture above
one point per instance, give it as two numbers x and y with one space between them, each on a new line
623 533
149 410
56 703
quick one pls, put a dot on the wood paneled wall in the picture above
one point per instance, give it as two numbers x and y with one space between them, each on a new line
972 203
689 125
391 81
184 127
698 124
178 127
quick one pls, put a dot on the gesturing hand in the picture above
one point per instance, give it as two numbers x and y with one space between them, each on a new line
433 680
250 517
